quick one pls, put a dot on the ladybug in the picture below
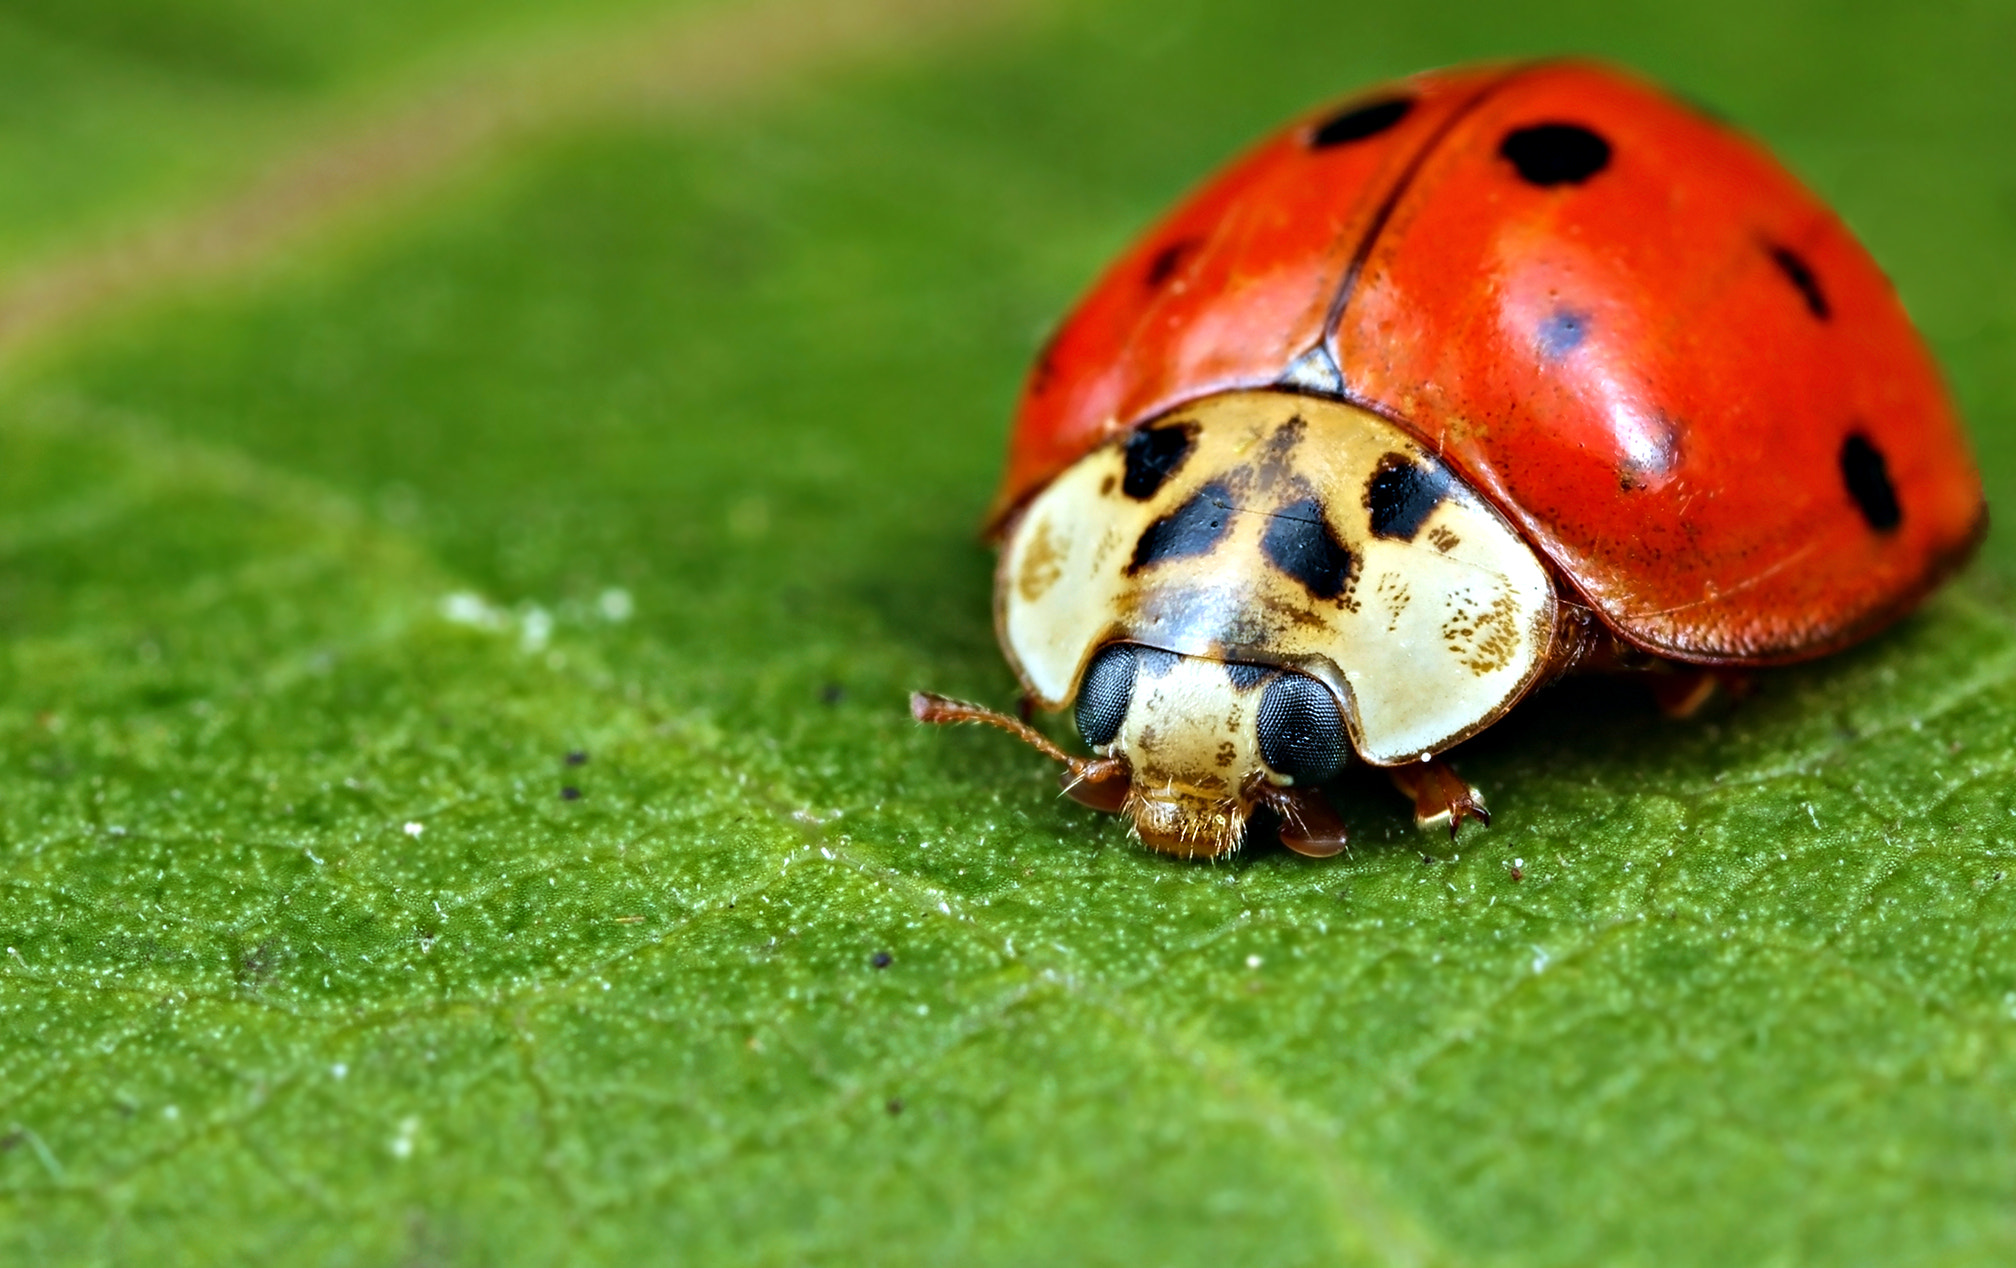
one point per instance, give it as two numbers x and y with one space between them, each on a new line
1479 379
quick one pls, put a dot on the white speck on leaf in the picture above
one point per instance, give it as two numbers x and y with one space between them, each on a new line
414 829
615 604
535 628
465 607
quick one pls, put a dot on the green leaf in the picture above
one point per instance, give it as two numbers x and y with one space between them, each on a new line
636 450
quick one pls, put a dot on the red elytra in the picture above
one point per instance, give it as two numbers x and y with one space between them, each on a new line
1657 354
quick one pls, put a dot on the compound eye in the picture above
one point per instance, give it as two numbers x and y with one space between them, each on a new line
1301 731
1104 695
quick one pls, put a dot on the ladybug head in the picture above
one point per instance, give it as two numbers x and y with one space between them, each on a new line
1189 747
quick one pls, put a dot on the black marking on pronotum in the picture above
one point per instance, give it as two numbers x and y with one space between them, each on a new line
1274 464
1555 153
1244 677
1800 274
1163 264
1403 495
1299 542
1359 122
1867 476
1191 529
1153 454
1560 333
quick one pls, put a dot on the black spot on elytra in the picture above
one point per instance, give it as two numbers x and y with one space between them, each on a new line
1299 542
1045 370
1163 264
1402 496
1359 122
1191 529
1244 677
1800 274
1561 333
1555 153
1153 454
1867 476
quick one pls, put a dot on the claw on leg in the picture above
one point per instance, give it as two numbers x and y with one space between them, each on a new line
1440 795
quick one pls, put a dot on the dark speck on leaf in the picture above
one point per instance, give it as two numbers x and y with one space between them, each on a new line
577 758
895 1106
882 960
832 693
570 793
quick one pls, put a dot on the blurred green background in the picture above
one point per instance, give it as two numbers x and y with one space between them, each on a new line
476 483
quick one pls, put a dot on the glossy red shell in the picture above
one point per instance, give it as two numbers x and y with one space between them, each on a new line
1655 371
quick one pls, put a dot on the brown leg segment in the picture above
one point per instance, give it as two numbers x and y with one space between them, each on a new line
1439 793
1101 784
1681 692
1309 826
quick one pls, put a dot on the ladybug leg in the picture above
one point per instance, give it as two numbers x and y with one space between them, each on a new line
1439 794
1101 784
1681 693
1025 707
1309 824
